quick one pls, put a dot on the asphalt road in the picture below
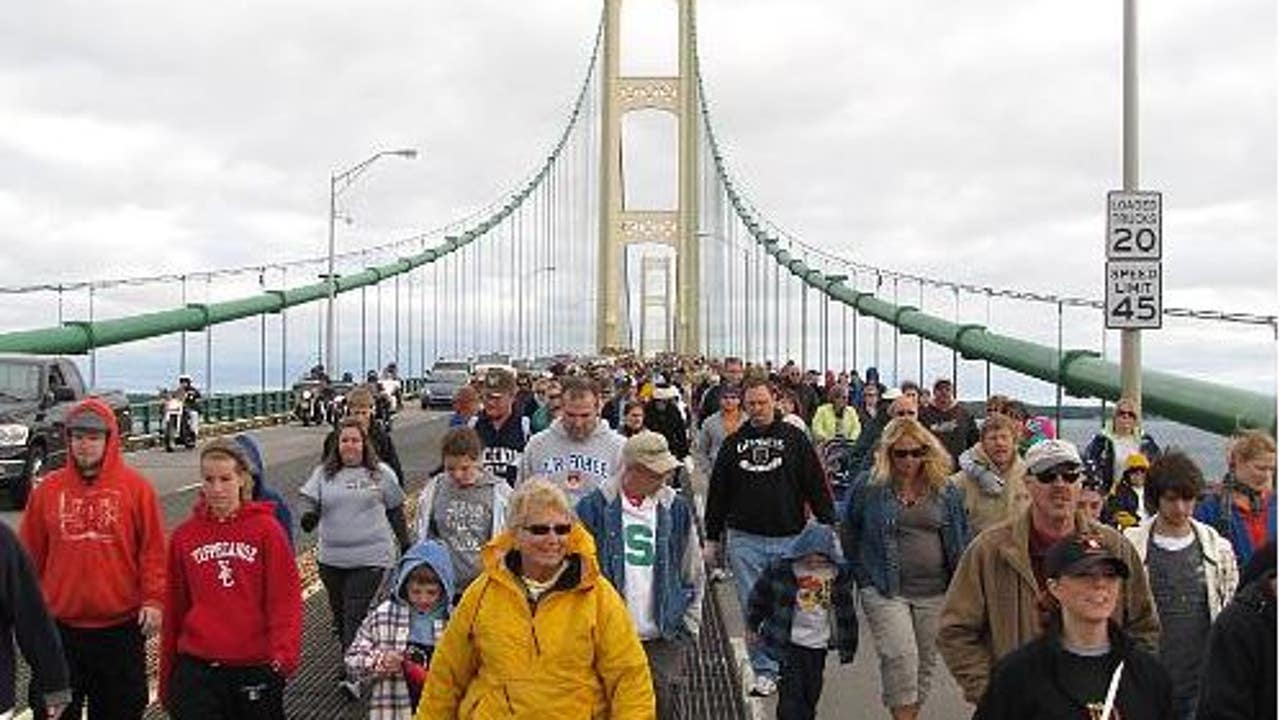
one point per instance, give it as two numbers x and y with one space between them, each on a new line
291 452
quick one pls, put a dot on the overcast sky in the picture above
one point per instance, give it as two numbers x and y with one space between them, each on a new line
974 141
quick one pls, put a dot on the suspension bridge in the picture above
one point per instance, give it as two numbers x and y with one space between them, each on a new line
713 275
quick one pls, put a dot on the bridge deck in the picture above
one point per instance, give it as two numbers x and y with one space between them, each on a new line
291 452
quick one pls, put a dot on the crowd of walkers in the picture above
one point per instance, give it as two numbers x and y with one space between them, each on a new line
556 563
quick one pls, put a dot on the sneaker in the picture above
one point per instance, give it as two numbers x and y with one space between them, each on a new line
764 686
350 689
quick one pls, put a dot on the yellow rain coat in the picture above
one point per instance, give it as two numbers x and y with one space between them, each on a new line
572 655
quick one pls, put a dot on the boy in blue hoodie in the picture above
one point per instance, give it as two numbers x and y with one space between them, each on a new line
392 649
801 607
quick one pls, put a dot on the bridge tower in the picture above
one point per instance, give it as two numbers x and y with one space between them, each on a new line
620 226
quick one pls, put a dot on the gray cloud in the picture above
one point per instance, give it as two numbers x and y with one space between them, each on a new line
972 141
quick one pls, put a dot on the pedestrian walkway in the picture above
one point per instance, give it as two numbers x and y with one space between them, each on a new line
712 692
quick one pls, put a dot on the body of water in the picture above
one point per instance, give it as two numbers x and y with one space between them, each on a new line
1207 449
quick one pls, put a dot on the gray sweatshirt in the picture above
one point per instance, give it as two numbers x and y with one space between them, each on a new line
463 518
577 466
353 504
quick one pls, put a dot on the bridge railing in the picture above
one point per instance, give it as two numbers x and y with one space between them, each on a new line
148 412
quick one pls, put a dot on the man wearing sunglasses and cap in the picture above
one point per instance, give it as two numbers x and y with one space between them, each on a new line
94 532
647 546
993 605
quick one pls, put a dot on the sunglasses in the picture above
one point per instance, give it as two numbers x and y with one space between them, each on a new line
903 453
560 529
1126 413
1067 476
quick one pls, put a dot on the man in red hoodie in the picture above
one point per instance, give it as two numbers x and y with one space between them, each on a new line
94 532
233 616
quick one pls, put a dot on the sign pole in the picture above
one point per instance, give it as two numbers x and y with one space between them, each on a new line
1130 339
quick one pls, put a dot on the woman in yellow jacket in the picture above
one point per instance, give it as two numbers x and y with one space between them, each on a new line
540 633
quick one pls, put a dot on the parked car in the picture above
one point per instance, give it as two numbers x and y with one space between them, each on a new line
35 395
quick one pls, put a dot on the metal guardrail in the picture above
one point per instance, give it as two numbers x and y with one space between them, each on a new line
148 412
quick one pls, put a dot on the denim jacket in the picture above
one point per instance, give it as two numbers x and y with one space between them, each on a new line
679 582
871 537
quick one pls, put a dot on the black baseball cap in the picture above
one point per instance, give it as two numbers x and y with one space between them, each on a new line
1076 554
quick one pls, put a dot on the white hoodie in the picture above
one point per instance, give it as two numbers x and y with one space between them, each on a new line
577 466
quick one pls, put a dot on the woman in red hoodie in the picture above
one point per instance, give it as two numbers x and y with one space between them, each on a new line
232 626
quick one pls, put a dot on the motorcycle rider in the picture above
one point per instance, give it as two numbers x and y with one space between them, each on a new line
382 403
190 399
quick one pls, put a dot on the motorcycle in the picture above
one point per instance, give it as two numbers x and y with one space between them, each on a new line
336 407
179 422
391 390
309 406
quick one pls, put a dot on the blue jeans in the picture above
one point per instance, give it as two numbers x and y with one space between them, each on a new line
748 556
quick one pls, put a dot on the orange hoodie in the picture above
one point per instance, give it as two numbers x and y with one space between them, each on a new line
97 545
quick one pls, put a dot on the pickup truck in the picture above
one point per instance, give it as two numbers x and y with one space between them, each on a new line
35 395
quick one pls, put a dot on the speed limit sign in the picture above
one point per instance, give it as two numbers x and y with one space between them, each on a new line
1133 225
1134 298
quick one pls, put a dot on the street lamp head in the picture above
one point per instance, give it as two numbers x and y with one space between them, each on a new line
409 153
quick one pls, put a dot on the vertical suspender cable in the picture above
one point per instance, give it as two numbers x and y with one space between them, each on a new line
955 351
920 338
897 334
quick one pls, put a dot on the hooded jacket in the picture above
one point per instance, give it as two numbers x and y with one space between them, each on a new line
992 606
234 596
386 629
261 492
577 466
97 545
461 540
977 476
771 607
571 655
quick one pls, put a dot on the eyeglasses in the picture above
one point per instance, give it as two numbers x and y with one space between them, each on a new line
915 452
560 529
1067 476
905 413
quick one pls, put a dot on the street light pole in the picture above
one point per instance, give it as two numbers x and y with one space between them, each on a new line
346 177
1131 340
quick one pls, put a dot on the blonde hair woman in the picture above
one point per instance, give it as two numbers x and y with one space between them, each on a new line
540 632
906 529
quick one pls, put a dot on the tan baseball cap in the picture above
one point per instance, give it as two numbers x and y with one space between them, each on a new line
649 449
